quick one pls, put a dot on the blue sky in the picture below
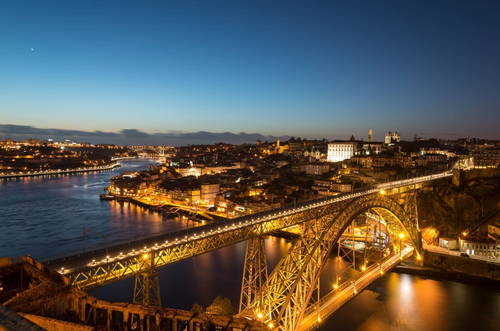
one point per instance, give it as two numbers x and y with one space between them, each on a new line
309 68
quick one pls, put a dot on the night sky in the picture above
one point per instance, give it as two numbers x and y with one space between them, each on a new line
310 68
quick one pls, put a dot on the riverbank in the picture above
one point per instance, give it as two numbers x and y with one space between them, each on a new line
61 172
168 210
461 269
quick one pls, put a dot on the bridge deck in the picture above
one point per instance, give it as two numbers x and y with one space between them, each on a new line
208 237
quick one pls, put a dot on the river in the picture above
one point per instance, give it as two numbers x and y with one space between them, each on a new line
56 215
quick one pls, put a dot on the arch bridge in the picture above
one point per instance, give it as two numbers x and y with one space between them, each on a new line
289 297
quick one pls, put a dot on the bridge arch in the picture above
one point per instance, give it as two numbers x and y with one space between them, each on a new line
285 295
399 218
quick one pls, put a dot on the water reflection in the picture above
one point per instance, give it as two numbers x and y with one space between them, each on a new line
53 215
407 302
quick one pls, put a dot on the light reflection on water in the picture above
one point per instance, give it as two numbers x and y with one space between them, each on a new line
407 302
51 215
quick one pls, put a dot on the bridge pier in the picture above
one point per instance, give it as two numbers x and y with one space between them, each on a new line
254 274
147 284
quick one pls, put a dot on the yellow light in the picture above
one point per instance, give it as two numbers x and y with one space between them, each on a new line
270 325
419 257
319 319
145 256
401 235
335 286
381 272
464 233
363 268
382 192
259 315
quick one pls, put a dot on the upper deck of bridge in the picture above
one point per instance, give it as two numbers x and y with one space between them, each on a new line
115 253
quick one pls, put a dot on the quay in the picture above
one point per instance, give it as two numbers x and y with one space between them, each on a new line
60 171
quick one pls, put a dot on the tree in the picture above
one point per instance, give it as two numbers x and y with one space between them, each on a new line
197 308
220 306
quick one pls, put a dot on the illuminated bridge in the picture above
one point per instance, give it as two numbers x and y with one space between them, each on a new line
288 298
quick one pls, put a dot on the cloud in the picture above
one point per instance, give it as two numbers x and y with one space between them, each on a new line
130 136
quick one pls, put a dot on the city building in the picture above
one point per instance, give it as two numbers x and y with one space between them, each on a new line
486 157
340 151
448 243
330 187
392 137
479 246
209 193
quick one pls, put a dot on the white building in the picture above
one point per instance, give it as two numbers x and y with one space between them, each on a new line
340 151
392 137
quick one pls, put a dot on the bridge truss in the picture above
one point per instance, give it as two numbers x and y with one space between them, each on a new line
286 295
282 298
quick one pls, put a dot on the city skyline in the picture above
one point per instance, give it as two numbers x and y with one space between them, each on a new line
179 138
323 70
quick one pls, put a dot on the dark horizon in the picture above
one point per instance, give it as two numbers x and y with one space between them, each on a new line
137 137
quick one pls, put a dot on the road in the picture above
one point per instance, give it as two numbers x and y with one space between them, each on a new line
337 298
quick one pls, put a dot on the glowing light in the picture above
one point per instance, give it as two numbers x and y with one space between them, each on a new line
335 286
401 235
145 256
319 319
382 192
465 233
363 268
270 325
259 315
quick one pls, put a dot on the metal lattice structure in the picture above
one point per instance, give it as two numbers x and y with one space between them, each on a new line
289 288
282 298
103 266
147 284
254 272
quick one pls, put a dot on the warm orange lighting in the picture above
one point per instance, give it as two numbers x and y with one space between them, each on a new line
382 192
335 286
401 235
270 325
259 315
145 256
363 268
465 233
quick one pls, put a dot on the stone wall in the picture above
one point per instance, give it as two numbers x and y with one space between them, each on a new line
462 265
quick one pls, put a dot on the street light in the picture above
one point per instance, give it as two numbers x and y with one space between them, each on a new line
401 237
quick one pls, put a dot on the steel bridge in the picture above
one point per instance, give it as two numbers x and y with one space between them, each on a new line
283 298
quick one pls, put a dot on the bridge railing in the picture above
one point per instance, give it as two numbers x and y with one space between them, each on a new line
239 222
